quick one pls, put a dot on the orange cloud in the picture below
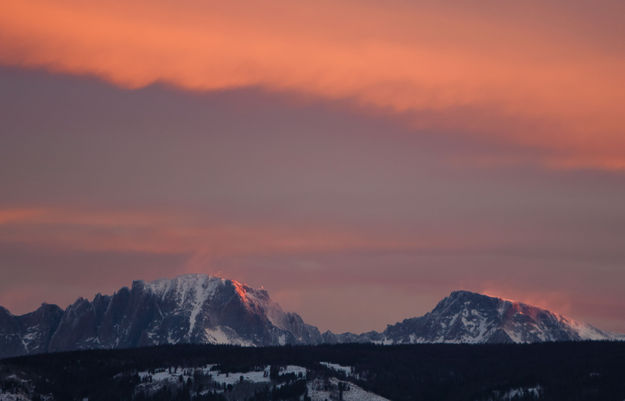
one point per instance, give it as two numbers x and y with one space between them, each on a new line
535 75
161 233
18 215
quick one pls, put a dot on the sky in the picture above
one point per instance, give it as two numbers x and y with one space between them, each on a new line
358 159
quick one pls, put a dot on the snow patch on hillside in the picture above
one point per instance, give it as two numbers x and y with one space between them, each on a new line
224 335
517 393
320 390
346 370
202 291
13 397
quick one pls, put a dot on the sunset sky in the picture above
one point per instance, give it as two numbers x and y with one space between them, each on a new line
358 159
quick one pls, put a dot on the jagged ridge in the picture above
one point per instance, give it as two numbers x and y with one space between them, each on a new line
203 309
187 309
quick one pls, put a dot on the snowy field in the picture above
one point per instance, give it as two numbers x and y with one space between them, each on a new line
317 392
173 375
13 397
347 370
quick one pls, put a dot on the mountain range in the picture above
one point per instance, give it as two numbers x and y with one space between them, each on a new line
203 309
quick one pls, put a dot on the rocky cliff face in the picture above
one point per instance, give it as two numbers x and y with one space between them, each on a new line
187 309
29 333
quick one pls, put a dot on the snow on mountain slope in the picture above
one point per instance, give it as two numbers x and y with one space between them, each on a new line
189 291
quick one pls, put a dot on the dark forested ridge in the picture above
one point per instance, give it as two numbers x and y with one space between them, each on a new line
562 371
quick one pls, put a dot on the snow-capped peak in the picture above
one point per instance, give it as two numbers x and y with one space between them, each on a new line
182 284
467 317
208 306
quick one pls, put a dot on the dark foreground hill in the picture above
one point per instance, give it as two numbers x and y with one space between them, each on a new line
544 371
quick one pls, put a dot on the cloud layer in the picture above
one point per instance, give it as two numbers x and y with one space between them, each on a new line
550 77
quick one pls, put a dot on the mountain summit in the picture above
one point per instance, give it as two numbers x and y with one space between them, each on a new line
187 309
467 317
472 318
204 309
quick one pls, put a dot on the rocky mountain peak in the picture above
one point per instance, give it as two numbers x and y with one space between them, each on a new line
468 317
459 300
